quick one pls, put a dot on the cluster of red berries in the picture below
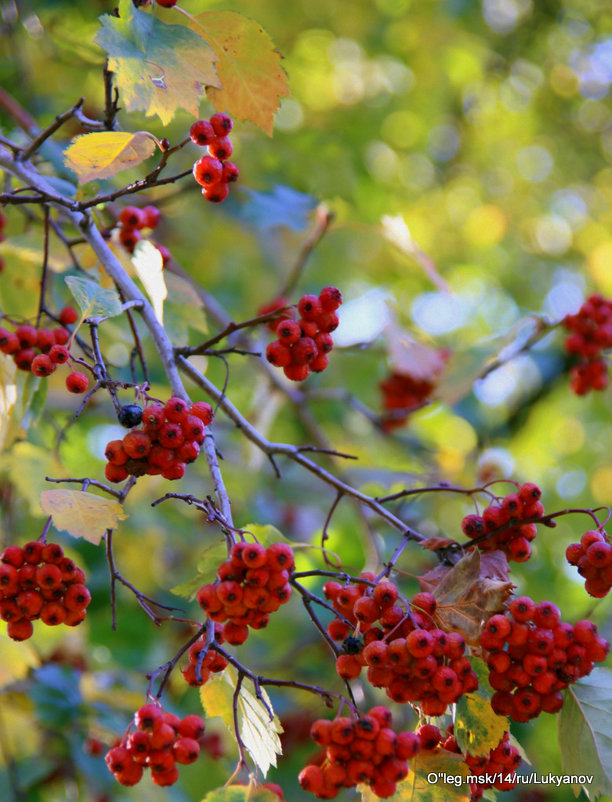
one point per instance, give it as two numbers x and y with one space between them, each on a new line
532 655
302 345
159 742
251 584
170 437
404 392
502 761
593 556
406 654
204 661
214 172
366 750
42 350
133 220
507 523
38 582
591 333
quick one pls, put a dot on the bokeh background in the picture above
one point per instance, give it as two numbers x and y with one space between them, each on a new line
473 136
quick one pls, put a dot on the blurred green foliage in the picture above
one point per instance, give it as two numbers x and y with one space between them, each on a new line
488 128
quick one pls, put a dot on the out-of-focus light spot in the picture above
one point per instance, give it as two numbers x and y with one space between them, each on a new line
592 115
118 354
363 319
402 129
514 95
457 431
564 298
33 26
502 16
381 162
417 172
601 484
553 235
450 460
499 182
563 80
570 205
486 225
443 142
593 85
508 382
348 86
343 50
567 435
534 163
460 202
101 654
10 12
290 116
599 263
495 463
399 78
571 484
99 436
439 313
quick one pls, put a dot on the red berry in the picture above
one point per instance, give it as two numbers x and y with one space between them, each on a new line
309 307
77 382
24 358
296 373
203 411
129 217
68 315
222 124
152 216
59 354
221 148
26 335
216 193
278 354
202 133
230 172
61 336
330 298
42 365
288 332
19 630
128 237
208 171
9 342
45 340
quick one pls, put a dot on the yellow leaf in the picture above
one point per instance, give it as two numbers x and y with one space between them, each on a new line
434 776
105 153
241 793
248 65
147 261
258 733
477 728
8 395
81 514
16 659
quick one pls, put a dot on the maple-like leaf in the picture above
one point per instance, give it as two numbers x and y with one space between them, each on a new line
249 66
158 68
466 596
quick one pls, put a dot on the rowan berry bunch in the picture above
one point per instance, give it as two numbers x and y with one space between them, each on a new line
214 172
38 582
204 661
302 345
406 654
169 439
251 584
591 334
593 557
508 522
403 392
532 655
365 750
160 741
132 220
41 351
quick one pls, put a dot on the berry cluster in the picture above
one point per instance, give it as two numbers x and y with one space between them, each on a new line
532 655
251 584
159 742
275 305
502 761
204 661
593 556
507 523
214 172
37 581
302 345
366 750
133 220
404 392
42 350
170 437
591 333
406 654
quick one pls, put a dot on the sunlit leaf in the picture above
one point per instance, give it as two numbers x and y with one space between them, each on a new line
425 780
159 68
81 514
105 153
17 658
249 66
585 731
29 248
92 299
210 559
258 733
8 395
477 728
147 261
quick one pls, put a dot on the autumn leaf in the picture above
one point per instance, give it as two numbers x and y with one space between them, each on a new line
158 68
105 153
81 514
241 793
465 598
478 729
249 66
425 780
147 261
435 543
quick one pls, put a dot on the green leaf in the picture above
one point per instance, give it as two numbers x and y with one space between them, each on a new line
249 66
585 732
266 534
93 299
210 559
159 68
240 793
105 153
477 728
257 732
